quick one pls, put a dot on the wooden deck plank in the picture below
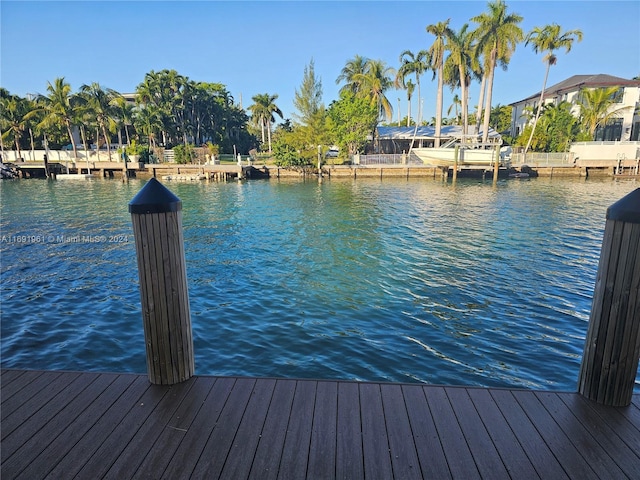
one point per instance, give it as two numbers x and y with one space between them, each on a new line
71 386
513 456
573 463
220 441
591 451
186 457
433 461
156 461
295 452
266 460
322 451
19 408
116 442
349 458
74 404
459 457
60 447
485 454
93 425
402 449
149 432
83 450
7 385
606 434
542 458
375 443
249 431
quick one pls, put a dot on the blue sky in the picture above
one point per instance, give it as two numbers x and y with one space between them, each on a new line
263 47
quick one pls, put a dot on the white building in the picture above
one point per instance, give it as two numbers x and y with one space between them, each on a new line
624 128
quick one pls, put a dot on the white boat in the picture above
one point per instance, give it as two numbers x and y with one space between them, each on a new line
73 176
469 153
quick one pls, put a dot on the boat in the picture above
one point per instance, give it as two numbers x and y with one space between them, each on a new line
470 153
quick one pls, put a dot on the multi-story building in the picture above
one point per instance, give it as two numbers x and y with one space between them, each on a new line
624 127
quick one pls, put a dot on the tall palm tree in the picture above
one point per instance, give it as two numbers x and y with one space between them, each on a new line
60 108
498 34
463 62
549 39
410 87
596 107
437 50
100 105
350 72
262 111
415 64
148 120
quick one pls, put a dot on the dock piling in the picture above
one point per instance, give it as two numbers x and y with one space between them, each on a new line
612 347
156 214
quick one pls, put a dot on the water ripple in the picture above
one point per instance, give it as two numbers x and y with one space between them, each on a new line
416 281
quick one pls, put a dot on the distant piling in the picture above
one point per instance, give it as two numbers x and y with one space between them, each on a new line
156 214
612 347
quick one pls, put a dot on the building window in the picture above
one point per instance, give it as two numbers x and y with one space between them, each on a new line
617 97
635 132
611 132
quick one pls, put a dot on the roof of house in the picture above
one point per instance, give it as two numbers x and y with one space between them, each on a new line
577 82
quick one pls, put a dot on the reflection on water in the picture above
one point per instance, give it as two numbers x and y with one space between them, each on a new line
373 280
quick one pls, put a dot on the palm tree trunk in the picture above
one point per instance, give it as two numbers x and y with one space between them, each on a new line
487 104
439 104
539 109
73 144
409 112
483 84
269 134
107 140
464 104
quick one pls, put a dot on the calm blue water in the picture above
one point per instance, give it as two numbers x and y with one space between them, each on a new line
372 280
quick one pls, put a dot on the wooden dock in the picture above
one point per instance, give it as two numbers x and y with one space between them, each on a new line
96 425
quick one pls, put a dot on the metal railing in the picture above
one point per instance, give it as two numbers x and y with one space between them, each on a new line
537 159
386 159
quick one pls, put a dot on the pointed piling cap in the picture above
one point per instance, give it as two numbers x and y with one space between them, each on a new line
627 209
154 198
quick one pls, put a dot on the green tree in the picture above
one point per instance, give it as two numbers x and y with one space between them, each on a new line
60 108
100 105
311 111
373 83
412 64
351 74
14 119
549 39
460 66
437 50
262 112
498 34
596 107
351 119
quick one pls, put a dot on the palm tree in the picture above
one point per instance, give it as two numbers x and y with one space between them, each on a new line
498 34
412 64
595 107
549 39
125 115
456 102
14 118
463 62
373 83
100 105
350 72
437 50
262 111
60 107
148 120
410 87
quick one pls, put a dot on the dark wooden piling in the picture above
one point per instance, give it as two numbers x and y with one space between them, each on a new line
156 214
612 347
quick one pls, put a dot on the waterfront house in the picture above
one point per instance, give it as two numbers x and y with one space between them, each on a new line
626 127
